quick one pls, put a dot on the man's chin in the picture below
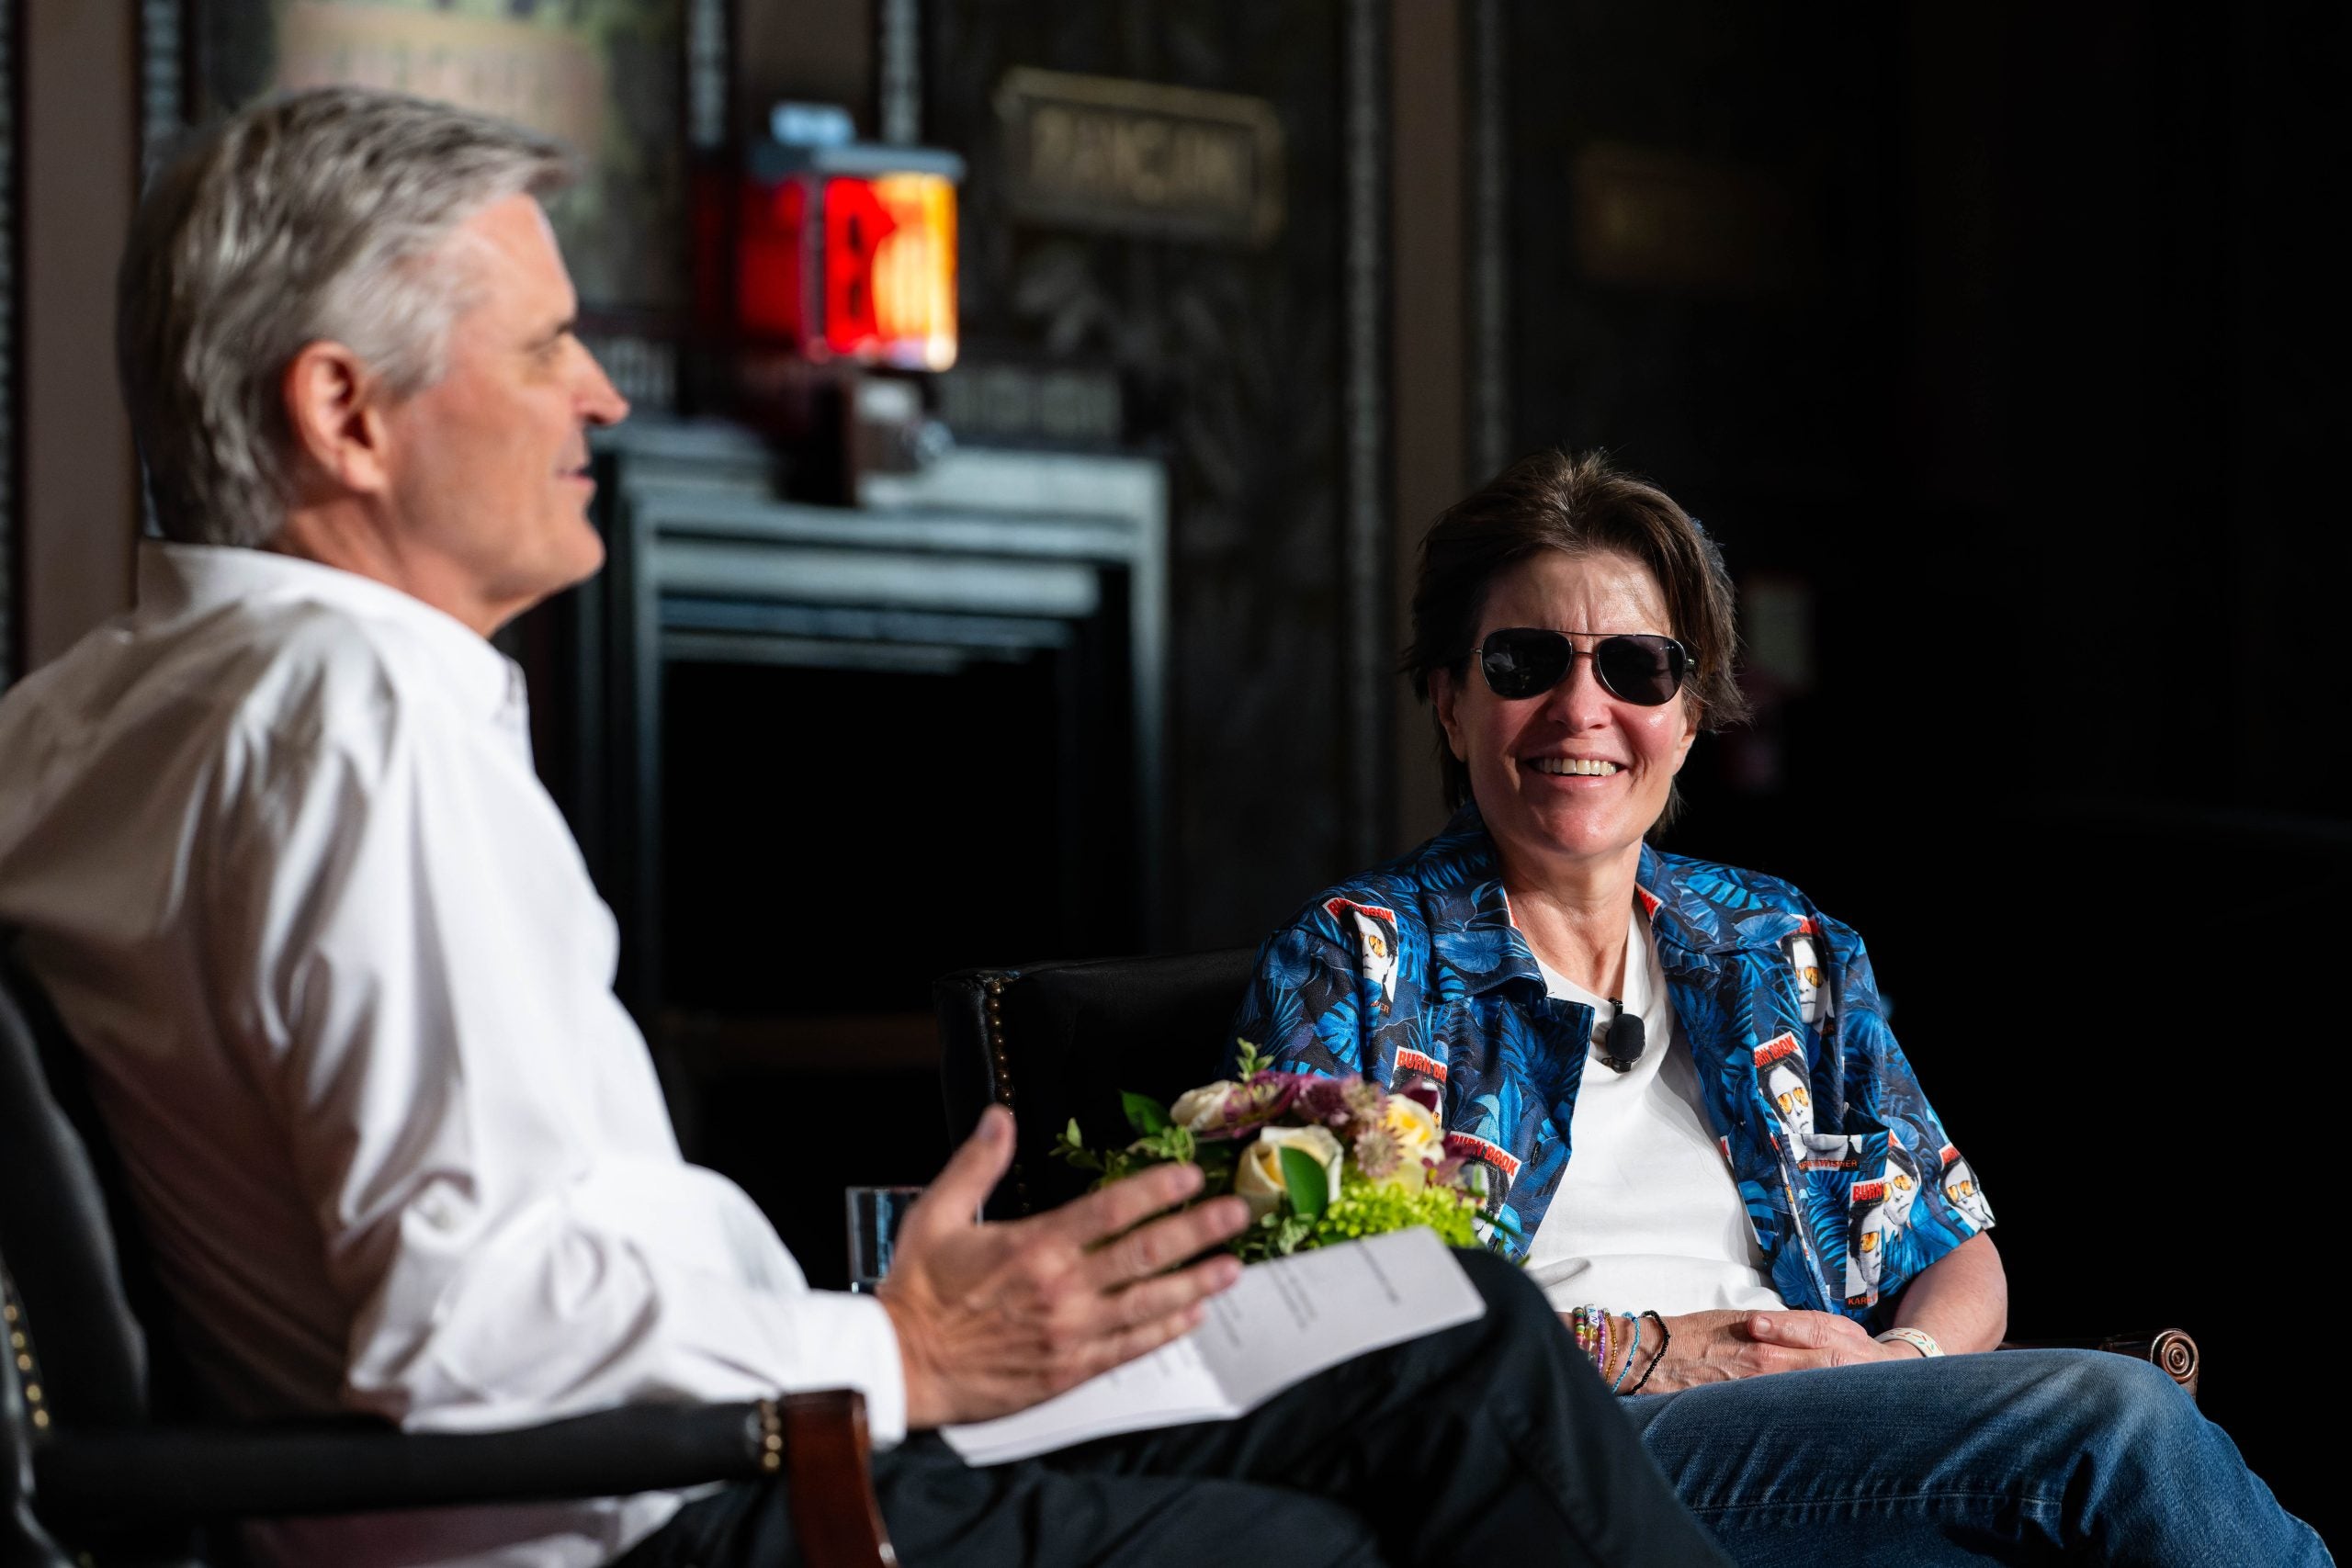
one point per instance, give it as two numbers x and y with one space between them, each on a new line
581 558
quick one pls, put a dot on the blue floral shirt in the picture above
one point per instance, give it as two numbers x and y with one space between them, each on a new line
1414 972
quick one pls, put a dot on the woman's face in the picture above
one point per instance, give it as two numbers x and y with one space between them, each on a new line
1546 821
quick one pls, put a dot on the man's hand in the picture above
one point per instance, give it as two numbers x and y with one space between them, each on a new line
993 1318
1716 1346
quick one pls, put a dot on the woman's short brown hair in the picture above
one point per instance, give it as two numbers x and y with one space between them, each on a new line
1576 505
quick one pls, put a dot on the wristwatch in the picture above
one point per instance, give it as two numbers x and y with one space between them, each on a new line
1919 1339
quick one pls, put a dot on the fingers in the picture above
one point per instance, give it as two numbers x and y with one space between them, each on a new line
971 1174
1803 1330
1150 1300
1161 1245
1123 1204
1139 1339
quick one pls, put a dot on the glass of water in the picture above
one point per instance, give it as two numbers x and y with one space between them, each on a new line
875 1215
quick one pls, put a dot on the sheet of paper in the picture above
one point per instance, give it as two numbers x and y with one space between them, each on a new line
1283 1322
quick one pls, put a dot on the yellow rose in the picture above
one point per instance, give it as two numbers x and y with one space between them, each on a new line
1259 1178
1415 1129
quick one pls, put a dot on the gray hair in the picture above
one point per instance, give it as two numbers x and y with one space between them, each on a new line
321 215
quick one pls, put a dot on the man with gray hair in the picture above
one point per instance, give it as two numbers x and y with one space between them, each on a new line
273 842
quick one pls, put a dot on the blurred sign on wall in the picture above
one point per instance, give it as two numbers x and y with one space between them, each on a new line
1058 403
1653 218
1125 157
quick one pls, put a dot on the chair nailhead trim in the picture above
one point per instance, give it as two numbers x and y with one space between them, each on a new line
28 1363
993 1007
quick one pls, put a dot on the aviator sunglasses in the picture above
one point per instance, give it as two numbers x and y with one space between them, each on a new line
1640 668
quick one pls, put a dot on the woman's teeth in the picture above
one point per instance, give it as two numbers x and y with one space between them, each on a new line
1591 766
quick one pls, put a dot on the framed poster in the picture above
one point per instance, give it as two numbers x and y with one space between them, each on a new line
11 278
618 81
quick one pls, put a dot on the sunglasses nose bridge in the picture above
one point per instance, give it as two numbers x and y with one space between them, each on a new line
1581 682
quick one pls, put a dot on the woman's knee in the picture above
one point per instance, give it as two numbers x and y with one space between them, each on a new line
2125 1390
2121 1414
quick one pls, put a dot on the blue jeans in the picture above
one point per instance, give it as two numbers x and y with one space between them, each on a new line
2009 1457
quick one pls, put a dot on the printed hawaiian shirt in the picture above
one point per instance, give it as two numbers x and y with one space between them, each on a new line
1413 972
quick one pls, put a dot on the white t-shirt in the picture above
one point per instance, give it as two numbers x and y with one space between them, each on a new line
1647 1214
344 989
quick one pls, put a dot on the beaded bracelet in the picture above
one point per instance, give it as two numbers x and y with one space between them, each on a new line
1580 1322
1663 1339
1631 1351
1594 1334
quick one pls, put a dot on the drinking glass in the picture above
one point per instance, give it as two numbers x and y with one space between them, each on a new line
875 1215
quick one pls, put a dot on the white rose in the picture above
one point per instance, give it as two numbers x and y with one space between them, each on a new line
1203 1108
1259 1179
1415 1129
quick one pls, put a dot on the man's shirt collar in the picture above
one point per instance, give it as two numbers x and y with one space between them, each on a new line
187 582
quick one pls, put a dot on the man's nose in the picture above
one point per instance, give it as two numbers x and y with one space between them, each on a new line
600 401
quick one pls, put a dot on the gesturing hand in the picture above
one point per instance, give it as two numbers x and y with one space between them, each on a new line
1716 1346
993 1318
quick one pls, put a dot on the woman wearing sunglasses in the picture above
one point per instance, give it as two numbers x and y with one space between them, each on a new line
1696 1128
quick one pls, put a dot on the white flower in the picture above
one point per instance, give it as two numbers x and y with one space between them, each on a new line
1203 1108
1259 1179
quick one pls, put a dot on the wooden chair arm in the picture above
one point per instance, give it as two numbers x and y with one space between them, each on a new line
2170 1348
834 1511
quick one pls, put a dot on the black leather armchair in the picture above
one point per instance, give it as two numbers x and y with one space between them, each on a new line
87 1464
1055 1040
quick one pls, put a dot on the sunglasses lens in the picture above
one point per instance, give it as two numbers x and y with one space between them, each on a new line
1522 662
1644 670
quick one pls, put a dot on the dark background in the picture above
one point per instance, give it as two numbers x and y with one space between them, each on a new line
2041 422
2011 389
2013 399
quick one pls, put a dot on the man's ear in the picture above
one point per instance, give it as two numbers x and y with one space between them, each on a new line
1445 693
334 411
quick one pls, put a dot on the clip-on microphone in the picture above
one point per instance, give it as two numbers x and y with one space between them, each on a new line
1621 1045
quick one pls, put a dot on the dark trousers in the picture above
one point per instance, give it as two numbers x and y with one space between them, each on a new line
1487 1444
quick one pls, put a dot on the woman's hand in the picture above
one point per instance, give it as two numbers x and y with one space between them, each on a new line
1716 1346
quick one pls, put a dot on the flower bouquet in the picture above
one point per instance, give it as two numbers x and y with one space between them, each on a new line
1318 1159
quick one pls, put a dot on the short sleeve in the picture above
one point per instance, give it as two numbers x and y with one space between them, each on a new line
1301 1010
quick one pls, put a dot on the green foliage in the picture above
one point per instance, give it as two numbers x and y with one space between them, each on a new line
1169 1145
1308 1184
1373 1208
1247 1061
1145 1114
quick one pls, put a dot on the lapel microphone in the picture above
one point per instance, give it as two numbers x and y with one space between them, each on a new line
1622 1044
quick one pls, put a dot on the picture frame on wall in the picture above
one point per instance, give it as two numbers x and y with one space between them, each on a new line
635 88
11 340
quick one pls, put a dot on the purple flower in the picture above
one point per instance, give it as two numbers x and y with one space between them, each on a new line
1253 1103
1379 1154
1324 1102
1367 1105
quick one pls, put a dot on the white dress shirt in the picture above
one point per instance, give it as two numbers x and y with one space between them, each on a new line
1647 1214
345 991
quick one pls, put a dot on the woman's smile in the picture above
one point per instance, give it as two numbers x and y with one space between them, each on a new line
1573 768
1572 772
